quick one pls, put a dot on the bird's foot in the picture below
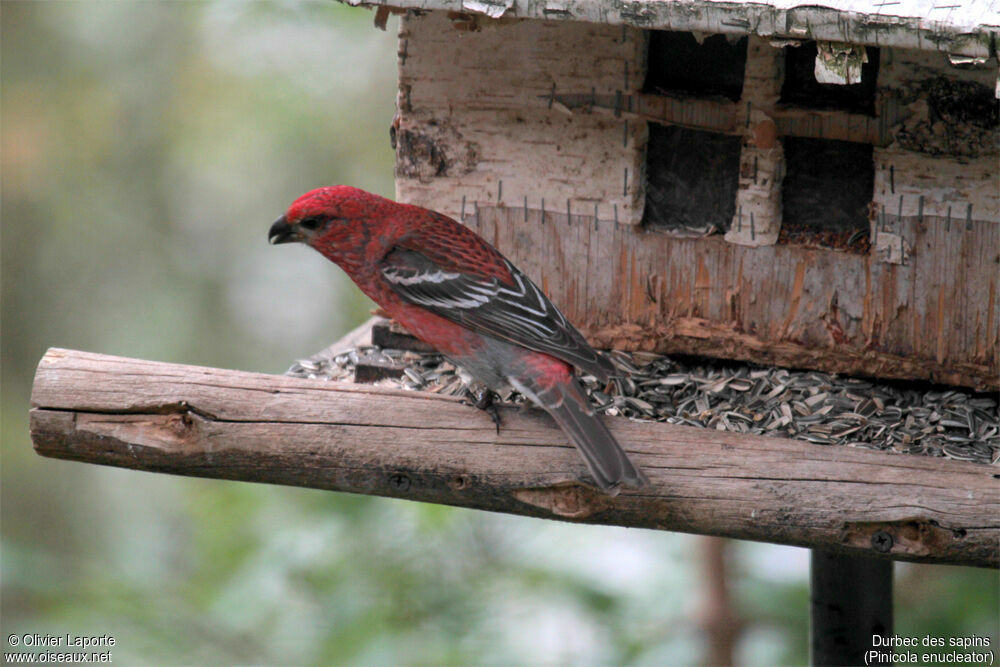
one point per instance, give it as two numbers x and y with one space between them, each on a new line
484 399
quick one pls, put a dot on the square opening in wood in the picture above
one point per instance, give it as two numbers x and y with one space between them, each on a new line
680 64
691 180
801 89
825 194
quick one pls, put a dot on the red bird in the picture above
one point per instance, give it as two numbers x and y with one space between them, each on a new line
454 291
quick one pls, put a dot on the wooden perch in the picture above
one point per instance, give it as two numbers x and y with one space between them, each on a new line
236 425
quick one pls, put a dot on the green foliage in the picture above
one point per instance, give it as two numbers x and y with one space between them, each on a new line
947 603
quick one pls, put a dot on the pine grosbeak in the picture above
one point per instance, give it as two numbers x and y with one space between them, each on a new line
456 292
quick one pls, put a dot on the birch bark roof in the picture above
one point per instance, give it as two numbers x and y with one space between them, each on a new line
960 27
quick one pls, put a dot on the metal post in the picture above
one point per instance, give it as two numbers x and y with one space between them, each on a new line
850 601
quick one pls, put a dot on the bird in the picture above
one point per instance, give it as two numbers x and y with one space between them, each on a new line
453 290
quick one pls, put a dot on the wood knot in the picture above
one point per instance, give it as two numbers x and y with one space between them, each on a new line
180 424
572 502
915 536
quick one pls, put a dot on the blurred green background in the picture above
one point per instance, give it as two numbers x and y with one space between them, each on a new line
146 148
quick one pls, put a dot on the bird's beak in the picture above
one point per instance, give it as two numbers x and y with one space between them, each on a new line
282 232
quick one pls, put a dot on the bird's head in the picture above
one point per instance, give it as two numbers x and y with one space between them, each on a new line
337 221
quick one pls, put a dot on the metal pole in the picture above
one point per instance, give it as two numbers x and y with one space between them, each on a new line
850 602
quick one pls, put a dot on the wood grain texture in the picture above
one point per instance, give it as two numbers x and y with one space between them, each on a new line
246 426
758 216
935 317
479 117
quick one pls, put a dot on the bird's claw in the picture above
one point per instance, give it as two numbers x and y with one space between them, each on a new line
484 400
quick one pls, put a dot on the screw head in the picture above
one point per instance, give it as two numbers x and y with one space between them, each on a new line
399 482
882 542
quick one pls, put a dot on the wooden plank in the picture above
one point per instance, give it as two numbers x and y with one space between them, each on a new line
783 304
936 198
513 63
479 109
757 221
911 185
236 425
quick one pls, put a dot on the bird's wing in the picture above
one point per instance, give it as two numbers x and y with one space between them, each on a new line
518 312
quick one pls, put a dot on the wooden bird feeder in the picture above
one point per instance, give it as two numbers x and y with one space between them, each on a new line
809 186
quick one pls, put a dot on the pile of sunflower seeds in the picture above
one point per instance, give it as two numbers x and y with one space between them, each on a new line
820 408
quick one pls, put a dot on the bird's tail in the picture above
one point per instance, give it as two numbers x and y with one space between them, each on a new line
569 406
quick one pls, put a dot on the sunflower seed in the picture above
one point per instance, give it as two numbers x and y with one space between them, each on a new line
816 407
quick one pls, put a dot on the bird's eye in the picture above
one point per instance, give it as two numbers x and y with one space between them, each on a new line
312 224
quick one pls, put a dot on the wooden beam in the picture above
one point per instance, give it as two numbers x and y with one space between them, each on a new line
758 215
725 117
700 336
208 422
